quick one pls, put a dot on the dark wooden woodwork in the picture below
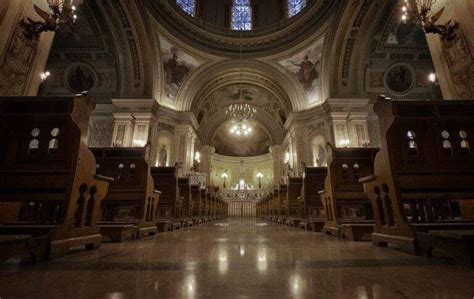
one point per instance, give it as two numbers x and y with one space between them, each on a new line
132 198
169 209
295 184
197 204
343 196
282 204
424 168
273 206
311 206
24 246
205 204
184 186
47 169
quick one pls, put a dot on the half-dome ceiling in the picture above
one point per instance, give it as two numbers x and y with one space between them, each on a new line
255 144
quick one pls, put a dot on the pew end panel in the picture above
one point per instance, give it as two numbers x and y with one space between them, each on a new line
424 170
48 170
343 196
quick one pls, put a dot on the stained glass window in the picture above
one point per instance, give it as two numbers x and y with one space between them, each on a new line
187 6
295 6
241 15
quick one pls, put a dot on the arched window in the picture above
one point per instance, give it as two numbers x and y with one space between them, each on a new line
241 15
187 6
295 6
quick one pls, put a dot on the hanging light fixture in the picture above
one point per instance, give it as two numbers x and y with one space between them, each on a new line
241 113
62 13
421 10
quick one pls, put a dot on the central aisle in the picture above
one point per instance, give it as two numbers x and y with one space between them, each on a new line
238 258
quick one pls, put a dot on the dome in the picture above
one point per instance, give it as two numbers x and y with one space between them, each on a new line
242 14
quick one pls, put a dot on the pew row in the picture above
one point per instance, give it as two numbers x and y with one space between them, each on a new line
281 204
293 195
348 209
423 172
169 210
184 186
47 174
129 209
310 202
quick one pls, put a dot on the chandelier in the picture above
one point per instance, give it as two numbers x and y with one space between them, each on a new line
241 113
241 129
62 13
422 10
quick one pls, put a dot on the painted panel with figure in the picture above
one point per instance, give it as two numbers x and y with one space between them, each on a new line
306 67
177 66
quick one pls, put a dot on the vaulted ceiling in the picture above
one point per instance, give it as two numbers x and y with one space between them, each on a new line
149 49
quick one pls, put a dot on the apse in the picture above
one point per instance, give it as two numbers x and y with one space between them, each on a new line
254 143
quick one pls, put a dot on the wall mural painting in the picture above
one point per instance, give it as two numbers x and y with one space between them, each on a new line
80 77
255 144
177 66
306 66
399 78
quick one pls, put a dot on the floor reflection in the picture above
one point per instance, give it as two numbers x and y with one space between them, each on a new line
238 258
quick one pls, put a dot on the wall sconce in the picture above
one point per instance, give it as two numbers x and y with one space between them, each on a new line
344 143
61 13
422 10
197 157
287 157
138 143
224 176
45 75
259 176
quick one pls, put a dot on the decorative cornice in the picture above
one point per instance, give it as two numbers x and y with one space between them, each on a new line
258 43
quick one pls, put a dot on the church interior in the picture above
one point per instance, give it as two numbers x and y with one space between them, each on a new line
236 149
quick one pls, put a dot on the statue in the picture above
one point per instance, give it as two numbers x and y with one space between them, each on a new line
321 160
163 155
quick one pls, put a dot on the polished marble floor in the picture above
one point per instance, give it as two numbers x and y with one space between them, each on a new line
238 258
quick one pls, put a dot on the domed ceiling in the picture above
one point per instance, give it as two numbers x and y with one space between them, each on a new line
228 144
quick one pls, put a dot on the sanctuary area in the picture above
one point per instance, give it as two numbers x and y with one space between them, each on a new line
236 149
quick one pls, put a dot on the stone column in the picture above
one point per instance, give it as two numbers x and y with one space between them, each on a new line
454 60
278 163
124 124
185 138
206 161
22 58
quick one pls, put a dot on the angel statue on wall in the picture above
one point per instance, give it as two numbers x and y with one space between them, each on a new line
62 13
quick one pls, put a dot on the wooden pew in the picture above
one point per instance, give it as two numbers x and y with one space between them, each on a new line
169 210
273 206
187 205
205 205
348 209
47 170
310 200
282 204
293 193
129 209
197 204
424 168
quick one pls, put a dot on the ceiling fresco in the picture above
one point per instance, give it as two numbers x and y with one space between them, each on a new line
255 144
255 95
306 67
177 67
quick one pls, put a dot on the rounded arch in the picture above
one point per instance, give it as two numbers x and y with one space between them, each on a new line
208 79
166 148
